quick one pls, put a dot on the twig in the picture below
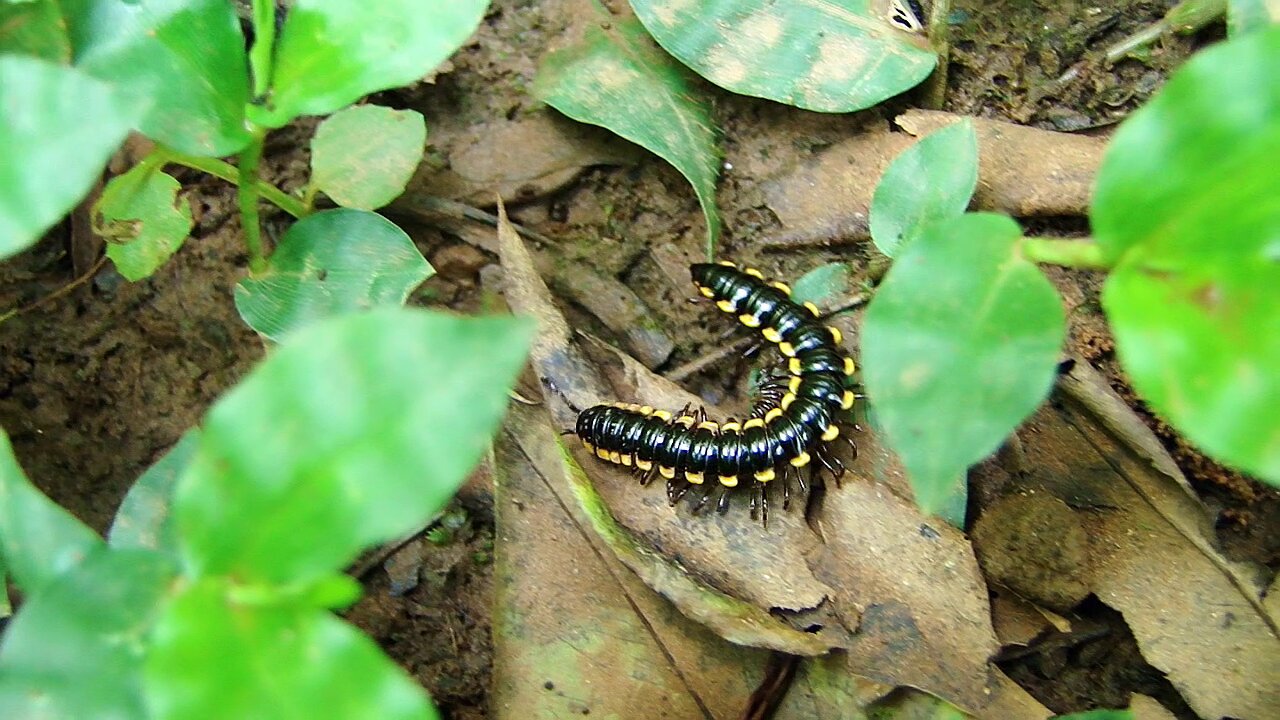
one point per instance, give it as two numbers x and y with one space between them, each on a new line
59 292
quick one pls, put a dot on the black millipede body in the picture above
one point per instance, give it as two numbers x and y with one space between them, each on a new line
793 418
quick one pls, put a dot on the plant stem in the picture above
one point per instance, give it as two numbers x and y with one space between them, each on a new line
228 172
247 193
1081 253
263 50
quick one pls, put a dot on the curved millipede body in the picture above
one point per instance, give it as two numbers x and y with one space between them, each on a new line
794 416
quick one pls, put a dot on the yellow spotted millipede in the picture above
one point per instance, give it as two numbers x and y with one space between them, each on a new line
790 424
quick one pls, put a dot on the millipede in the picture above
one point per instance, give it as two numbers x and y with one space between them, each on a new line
794 417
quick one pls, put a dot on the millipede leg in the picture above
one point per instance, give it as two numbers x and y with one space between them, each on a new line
755 500
706 491
764 505
800 481
722 503
786 491
647 476
676 489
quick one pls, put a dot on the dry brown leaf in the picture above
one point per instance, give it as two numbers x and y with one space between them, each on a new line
574 631
1148 708
1196 616
521 159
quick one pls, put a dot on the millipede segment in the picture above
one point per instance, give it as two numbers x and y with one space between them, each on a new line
794 415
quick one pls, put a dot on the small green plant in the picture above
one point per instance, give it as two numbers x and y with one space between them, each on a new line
75 77
962 339
212 596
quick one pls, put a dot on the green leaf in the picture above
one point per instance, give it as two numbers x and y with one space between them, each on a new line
362 157
355 431
185 57
75 648
823 285
1188 207
39 539
333 52
34 28
1244 16
959 345
931 180
143 518
617 79
830 57
143 220
213 658
54 117
327 264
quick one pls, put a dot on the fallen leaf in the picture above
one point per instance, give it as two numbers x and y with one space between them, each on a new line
522 159
1197 617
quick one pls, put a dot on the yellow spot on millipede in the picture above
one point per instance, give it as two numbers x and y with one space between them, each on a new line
706 291
753 273
729 480
754 423
667 472
832 432
726 306
787 400
800 460
708 425
836 335
750 321
773 414
785 288
765 475
693 477
787 349
812 308
772 335
846 402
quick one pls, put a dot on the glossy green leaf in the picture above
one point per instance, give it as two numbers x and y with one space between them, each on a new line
213 658
333 52
362 157
143 518
143 220
327 264
1188 207
34 28
959 345
39 539
184 57
353 432
931 180
75 648
823 285
618 79
830 57
57 130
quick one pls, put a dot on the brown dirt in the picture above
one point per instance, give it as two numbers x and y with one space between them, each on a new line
96 385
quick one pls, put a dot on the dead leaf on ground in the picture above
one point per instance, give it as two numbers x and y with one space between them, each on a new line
1022 171
1197 617
903 591
575 632
521 159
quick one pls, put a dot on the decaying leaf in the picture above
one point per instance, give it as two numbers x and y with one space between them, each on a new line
575 632
521 159
1197 617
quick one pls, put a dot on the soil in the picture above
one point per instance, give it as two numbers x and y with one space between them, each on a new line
99 382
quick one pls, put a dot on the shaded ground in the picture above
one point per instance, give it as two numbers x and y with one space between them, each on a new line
96 385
